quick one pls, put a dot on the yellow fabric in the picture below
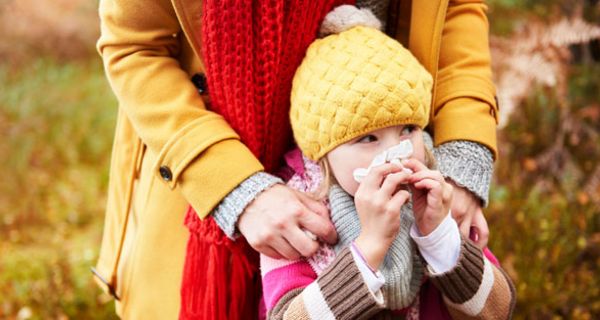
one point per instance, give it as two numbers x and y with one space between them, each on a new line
450 38
150 49
149 62
352 83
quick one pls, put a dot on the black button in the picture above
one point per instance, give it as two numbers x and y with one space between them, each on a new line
165 173
199 81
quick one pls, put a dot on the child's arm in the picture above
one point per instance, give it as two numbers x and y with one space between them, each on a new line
475 288
472 286
292 289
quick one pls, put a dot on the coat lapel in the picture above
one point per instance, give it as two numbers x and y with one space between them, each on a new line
427 23
189 13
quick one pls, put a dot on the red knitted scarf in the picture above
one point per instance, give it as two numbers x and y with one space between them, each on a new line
251 50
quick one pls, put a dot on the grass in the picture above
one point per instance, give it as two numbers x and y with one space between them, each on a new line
57 124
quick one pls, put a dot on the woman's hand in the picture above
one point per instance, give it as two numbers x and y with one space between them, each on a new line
432 196
466 210
378 201
274 223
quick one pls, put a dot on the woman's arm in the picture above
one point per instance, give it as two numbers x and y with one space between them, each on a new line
465 111
464 105
138 44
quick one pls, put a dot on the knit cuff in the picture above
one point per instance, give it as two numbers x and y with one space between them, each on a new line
345 291
462 282
468 164
231 207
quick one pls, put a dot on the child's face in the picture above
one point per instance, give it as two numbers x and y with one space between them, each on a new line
359 152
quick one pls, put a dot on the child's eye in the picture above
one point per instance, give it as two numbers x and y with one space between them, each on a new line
368 138
408 129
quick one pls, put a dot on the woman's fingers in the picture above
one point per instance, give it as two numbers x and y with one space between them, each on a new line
301 242
315 219
465 225
318 225
284 248
479 224
270 252
273 224
313 205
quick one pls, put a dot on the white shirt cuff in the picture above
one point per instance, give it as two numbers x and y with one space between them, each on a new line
374 280
441 247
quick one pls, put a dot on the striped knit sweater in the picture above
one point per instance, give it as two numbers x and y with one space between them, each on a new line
475 288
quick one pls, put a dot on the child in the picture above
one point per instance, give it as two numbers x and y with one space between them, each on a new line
360 102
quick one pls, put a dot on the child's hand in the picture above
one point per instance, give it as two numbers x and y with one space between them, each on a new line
378 201
432 196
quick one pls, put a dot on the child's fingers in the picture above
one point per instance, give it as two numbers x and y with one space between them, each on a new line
392 181
427 174
415 165
398 200
434 187
375 177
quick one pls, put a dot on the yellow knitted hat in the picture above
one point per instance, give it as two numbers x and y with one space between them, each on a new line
354 82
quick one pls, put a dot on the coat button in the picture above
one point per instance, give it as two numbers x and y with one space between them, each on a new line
199 81
165 173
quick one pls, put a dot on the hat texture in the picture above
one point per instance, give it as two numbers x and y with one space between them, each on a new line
352 83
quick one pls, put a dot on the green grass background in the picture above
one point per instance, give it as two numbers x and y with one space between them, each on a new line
56 124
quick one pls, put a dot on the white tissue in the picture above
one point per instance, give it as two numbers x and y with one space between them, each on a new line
394 154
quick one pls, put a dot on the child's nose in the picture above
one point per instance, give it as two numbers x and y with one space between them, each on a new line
394 140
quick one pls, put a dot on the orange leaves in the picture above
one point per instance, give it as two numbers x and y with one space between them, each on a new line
536 54
530 164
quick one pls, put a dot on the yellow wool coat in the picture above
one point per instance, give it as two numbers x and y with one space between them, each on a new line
169 150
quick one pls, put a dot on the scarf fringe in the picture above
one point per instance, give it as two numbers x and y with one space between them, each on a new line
220 276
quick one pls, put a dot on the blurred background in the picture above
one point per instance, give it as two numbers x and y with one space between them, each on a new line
57 116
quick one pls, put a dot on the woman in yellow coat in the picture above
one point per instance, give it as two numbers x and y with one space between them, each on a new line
172 149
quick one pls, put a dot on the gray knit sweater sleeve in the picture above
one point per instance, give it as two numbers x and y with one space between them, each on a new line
231 207
468 164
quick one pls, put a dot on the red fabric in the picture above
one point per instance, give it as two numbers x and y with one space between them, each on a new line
220 275
431 303
251 50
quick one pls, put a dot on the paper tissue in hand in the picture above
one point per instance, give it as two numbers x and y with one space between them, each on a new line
394 154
